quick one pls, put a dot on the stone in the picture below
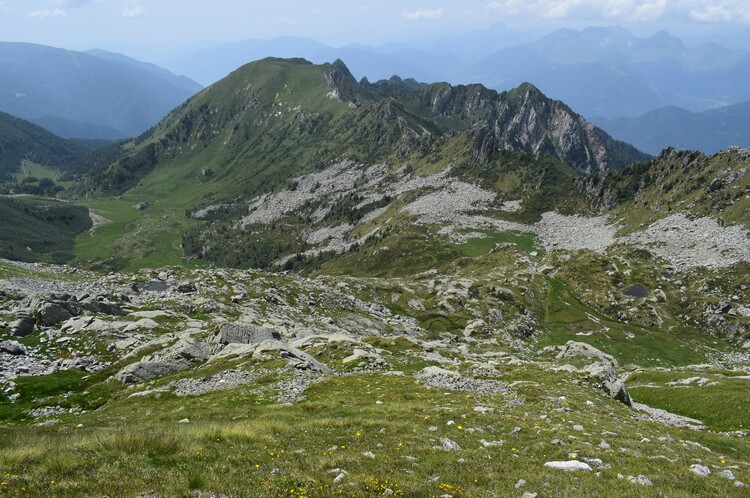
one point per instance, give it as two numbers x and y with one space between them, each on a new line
447 445
520 483
605 373
246 333
184 354
147 369
191 349
142 324
186 287
659 296
641 480
50 314
295 357
107 308
23 326
362 355
700 470
12 347
726 474
573 349
569 466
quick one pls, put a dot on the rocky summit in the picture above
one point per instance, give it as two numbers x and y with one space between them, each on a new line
300 284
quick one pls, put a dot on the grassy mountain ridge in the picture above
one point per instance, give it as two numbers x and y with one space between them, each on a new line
273 122
21 140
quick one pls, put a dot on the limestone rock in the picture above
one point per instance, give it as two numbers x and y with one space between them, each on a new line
447 445
641 480
605 373
246 333
23 326
726 474
570 466
148 368
581 350
12 347
50 314
700 470
295 357
185 353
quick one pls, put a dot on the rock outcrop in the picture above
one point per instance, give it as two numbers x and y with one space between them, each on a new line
186 353
601 371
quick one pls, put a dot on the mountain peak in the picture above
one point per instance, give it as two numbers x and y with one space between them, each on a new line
527 92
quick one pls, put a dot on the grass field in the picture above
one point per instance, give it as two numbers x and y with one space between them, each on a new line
356 436
479 246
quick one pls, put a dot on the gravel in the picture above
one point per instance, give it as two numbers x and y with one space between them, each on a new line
688 243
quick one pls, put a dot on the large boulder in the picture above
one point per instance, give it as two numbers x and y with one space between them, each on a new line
23 325
580 350
295 357
149 368
600 367
604 373
51 313
12 347
245 333
186 353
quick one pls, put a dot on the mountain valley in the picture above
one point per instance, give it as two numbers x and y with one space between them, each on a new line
301 284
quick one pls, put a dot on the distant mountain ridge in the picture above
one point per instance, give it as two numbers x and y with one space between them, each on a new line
609 72
103 95
708 131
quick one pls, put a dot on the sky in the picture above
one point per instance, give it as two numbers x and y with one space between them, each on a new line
158 27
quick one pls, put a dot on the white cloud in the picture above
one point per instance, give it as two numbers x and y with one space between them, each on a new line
721 12
4 9
43 14
709 11
133 11
418 15
75 3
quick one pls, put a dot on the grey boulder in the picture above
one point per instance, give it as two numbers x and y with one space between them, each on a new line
50 314
245 333
12 347
604 373
186 353
295 357
22 326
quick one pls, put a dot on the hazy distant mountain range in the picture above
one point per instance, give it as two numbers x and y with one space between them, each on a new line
708 131
605 74
86 95
609 72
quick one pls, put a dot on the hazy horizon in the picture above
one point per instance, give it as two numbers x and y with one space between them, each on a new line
154 30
